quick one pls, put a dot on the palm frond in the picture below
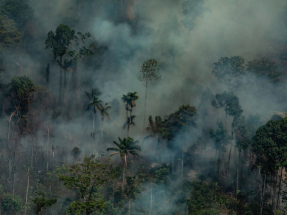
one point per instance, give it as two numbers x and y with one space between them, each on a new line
117 144
113 149
114 153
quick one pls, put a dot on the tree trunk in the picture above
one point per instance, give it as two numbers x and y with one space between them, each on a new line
32 154
53 155
278 195
93 130
228 164
127 120
263 194
8 137
130 121
237 172
274 190
182 162
48 75
218 166
60 84
48 149
150 206
27 190
102 132
145 104
124 170
67 94
129 206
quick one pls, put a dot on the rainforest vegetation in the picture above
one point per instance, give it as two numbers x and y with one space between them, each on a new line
143 107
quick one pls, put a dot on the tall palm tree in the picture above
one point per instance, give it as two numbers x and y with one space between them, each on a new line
129 123
130 100
97 106
125 147
104 112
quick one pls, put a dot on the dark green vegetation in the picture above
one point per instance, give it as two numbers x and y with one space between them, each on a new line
138 107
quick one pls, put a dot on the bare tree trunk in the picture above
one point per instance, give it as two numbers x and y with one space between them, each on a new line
263 194
150 207
67 94
48 75
237 172
9 127
124 170
32 154
102 132
274 191
228 164
48 130
129 206
218 166
145 104
27 190
182 162
172 163
278 195
93 130
60 84
53 156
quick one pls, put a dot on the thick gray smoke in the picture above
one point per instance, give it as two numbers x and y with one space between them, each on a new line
247 28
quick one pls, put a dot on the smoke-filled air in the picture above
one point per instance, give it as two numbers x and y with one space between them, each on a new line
132 107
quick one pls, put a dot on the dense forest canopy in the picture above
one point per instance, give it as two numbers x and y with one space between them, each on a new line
143 107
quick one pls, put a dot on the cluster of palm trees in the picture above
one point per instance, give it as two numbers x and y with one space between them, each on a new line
98 106
127 146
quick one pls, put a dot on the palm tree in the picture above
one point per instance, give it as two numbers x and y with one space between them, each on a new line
128 123
97 106
130 100
104 112
125 147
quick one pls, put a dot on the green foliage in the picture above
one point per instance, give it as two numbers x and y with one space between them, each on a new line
97 104
9 34
220 137
148 72
17 10
162 176
270 145
85 178
231 104
131 188
230 71
60 40
130 99
41 202
22 86
87 207
246 130
264 68
206 198
183 119
11 204
126 146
